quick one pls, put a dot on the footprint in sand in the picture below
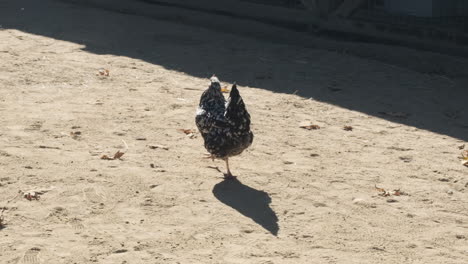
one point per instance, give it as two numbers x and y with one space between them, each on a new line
92 196
76 224
31 256
35 126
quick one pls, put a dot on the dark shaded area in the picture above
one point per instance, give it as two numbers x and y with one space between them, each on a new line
290 25
248 201
432 102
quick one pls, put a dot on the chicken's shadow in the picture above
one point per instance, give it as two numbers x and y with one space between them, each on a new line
249 202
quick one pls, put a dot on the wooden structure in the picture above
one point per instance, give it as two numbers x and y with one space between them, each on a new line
372 18
365 18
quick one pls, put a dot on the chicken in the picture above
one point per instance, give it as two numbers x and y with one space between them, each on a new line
224 125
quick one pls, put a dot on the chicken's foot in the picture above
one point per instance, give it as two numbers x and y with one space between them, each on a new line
209 156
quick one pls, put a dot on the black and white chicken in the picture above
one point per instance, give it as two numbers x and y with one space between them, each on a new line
224 125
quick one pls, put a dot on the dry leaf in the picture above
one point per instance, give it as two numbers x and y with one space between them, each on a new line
400 149
406 158
188 131
158 146
399 192
465 154
379 189
103 72
225 89
464 158
348 128
383 193
105 157
118 154
75 134
310 127
31 196
47 147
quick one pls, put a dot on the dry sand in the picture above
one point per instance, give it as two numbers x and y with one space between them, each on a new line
303 196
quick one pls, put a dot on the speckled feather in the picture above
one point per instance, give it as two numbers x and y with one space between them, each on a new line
225 126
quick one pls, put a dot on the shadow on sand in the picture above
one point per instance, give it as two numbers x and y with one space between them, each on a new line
428 101
248 201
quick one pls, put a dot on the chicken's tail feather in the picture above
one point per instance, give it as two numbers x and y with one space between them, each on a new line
236 113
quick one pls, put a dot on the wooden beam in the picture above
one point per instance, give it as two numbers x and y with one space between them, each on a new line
347 8
373 30
311 5
318 8
242 9
380 30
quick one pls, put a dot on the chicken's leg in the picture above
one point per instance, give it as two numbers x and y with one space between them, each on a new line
228 175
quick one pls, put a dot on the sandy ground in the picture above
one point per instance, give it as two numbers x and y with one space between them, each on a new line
303 196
